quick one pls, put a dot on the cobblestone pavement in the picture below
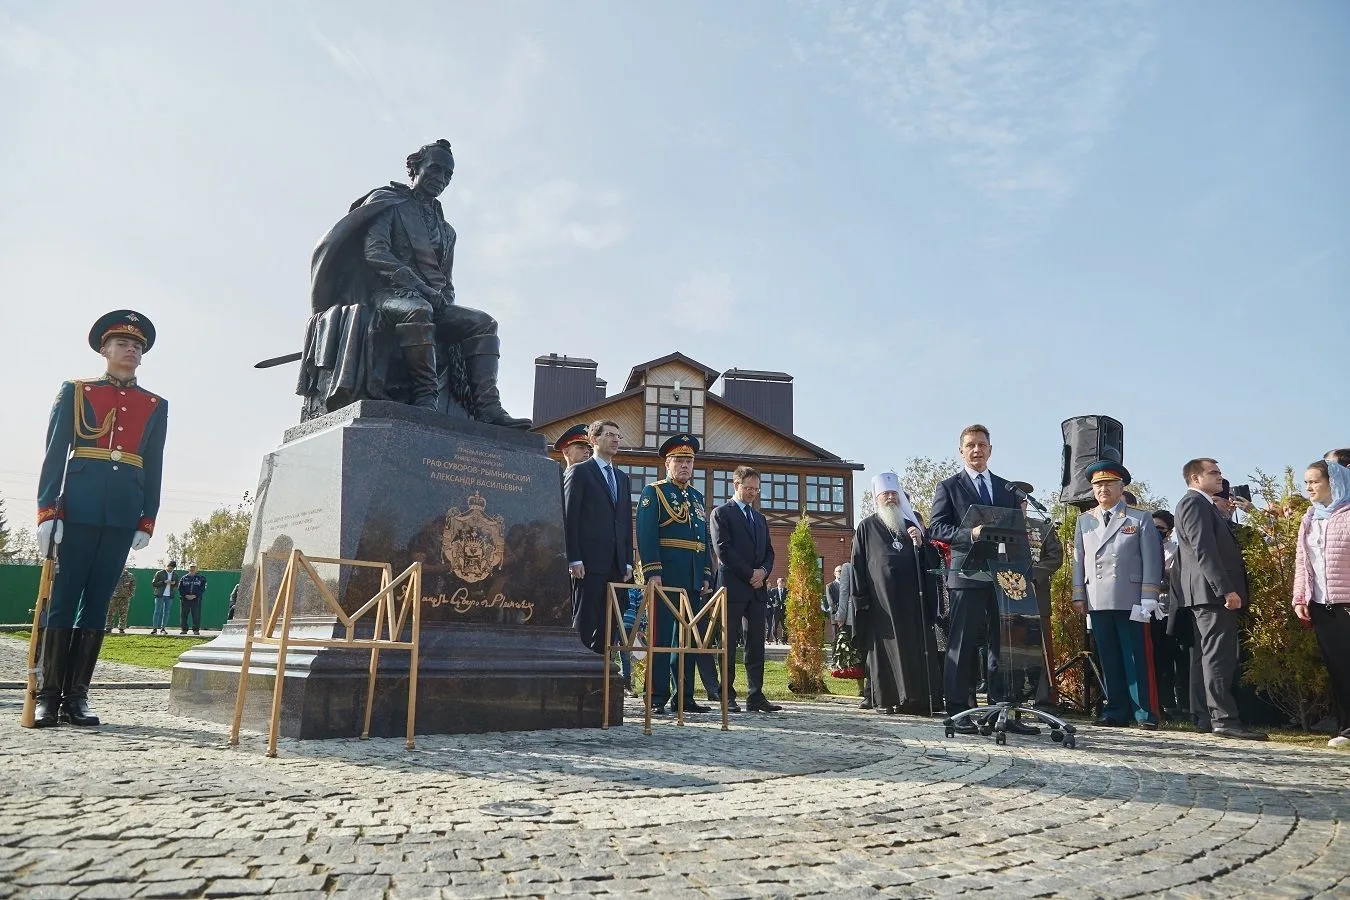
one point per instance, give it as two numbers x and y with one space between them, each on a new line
14 660
821 800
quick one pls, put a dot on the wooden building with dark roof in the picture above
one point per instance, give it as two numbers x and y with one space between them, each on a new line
749 423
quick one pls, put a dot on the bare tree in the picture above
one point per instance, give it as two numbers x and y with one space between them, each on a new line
920 479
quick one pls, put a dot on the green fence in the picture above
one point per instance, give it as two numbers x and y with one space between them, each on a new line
18 590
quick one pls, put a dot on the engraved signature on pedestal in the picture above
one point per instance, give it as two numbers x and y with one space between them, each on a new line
461 602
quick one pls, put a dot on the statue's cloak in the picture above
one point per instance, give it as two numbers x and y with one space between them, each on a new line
348 355
338 272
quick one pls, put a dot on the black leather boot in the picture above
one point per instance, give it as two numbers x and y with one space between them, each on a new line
487 401
419 356
84 646
54 648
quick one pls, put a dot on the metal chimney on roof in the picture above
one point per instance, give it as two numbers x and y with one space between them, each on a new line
563 384
766 396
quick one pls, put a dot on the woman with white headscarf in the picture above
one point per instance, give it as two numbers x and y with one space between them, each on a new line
1322 579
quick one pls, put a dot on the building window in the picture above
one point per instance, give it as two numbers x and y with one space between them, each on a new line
699 482
672 419
777 491
722 487
639 477
824 493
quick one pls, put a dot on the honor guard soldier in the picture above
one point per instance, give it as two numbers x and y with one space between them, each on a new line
574 444
1117 573
98 496
672 537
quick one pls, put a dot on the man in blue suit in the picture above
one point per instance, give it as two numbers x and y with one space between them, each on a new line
974 605
598 525
98 495
745 560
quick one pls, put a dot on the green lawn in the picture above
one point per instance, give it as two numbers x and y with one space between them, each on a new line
137 649
776 681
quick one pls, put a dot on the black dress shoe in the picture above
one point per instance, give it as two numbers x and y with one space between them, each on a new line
1149 726
1016 727
693 706
1242 734
866 704
660 710
965 729
759 704
733 706
1104 722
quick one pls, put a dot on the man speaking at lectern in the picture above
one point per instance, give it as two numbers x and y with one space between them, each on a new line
974 605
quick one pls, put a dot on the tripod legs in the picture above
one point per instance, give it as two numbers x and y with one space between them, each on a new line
994 720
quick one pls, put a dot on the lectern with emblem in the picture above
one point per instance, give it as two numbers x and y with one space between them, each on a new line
1002 557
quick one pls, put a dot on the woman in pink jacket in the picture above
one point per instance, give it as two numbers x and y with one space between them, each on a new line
1322 579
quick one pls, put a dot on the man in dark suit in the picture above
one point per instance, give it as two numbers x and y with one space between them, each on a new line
598 522
777 614
974 605
1214 587
745 559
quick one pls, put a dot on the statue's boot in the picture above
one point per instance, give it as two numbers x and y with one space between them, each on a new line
84 646
482 369
54 647
417 342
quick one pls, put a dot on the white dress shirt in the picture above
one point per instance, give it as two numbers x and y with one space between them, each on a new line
1317 560
975 481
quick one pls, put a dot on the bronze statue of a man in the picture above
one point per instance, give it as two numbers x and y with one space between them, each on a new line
391 256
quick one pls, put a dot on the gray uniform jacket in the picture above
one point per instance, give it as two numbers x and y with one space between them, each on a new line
1116 565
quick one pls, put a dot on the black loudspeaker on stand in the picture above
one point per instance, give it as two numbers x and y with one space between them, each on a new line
1087 439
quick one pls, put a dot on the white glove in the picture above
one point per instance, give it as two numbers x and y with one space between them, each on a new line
140 541
49 534
1150 607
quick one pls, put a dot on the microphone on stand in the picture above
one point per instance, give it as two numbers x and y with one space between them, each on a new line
1023 495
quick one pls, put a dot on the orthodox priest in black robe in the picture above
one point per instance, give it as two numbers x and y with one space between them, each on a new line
895 604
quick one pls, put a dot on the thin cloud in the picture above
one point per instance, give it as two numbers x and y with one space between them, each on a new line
24 47
344 57
706 299
1016 93
539 225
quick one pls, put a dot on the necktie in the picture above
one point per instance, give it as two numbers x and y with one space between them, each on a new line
985 497
750 520
1106 517
613 488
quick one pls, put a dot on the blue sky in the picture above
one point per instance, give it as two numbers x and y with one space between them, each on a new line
928 213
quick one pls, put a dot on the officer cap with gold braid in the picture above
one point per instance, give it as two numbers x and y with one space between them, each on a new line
680 445
122 323
574 435
1107 470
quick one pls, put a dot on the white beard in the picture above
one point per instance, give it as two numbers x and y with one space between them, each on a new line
890 516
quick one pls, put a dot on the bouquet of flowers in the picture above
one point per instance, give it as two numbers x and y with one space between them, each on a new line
847 660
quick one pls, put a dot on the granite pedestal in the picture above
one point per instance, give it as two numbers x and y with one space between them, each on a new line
481 508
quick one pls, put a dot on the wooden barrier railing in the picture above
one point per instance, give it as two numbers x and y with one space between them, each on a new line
389 624
699 632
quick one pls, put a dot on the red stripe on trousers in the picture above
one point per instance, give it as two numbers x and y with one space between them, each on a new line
1152 673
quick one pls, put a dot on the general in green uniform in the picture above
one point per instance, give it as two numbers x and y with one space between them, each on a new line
672 538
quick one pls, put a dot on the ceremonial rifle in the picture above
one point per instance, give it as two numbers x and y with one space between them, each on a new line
44 595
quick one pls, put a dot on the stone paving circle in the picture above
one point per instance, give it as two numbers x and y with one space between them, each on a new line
821 800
